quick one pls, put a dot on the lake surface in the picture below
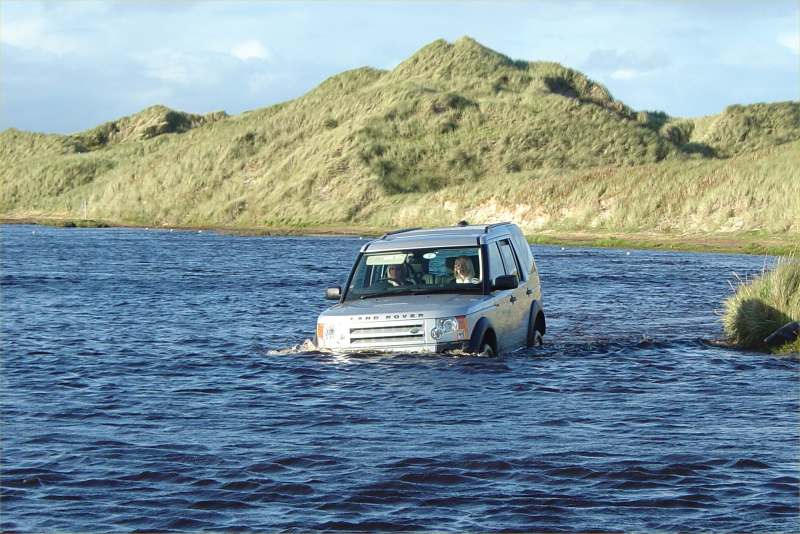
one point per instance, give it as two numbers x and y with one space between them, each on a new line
149 383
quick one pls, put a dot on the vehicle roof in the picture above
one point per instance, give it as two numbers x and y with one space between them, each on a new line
447 236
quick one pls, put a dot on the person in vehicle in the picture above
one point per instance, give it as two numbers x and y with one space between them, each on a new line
397 276
464 271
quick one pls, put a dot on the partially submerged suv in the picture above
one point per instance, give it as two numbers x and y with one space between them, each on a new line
470 288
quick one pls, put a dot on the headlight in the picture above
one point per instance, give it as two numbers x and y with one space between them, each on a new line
451 327
325 331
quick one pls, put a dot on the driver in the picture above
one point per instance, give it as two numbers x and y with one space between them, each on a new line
397 276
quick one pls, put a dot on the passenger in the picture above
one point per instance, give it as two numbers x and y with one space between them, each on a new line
464 271
397 276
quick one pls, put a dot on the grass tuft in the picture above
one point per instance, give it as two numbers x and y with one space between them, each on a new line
761 305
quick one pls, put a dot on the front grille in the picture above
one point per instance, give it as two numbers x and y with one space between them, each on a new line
396 334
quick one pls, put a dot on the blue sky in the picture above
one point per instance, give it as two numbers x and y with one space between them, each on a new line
69 65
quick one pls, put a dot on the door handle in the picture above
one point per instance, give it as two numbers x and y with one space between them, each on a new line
528 291
512 299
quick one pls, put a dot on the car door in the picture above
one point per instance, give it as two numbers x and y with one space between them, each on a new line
528 275
520 299
501 313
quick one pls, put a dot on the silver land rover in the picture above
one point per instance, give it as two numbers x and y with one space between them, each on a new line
473 288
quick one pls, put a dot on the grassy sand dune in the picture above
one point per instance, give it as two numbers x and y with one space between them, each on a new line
455 131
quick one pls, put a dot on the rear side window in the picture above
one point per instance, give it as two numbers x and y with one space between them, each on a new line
509 259
495 262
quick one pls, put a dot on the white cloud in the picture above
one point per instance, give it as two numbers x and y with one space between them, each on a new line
176 67
790 41
625 74
251 49
33 33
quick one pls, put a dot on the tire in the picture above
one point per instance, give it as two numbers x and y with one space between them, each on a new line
535 336
538 339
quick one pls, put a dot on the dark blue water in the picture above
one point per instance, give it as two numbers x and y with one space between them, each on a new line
148 384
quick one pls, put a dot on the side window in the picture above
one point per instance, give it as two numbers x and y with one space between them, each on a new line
495 263
524 255
508 258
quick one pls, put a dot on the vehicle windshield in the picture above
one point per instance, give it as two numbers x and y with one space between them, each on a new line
418 271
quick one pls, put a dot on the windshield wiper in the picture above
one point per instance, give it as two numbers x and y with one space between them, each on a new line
390 294
420 291
425 291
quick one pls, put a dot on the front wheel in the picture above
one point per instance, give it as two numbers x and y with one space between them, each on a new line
486 350
538 339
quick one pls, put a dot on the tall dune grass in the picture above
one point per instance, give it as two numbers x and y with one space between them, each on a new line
456 131
763 304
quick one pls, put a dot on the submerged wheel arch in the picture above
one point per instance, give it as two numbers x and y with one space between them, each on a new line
482 333
536 323
541 323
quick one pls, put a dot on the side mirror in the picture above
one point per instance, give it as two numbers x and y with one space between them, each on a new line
333 293
506 281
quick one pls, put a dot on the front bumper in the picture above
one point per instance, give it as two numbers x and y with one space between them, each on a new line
424 348
387 336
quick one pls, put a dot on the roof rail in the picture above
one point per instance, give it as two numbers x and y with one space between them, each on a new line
387 234
493 225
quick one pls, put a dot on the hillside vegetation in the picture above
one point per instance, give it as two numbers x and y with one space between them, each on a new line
455 131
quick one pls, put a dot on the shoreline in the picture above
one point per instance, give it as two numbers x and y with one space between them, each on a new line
742 243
